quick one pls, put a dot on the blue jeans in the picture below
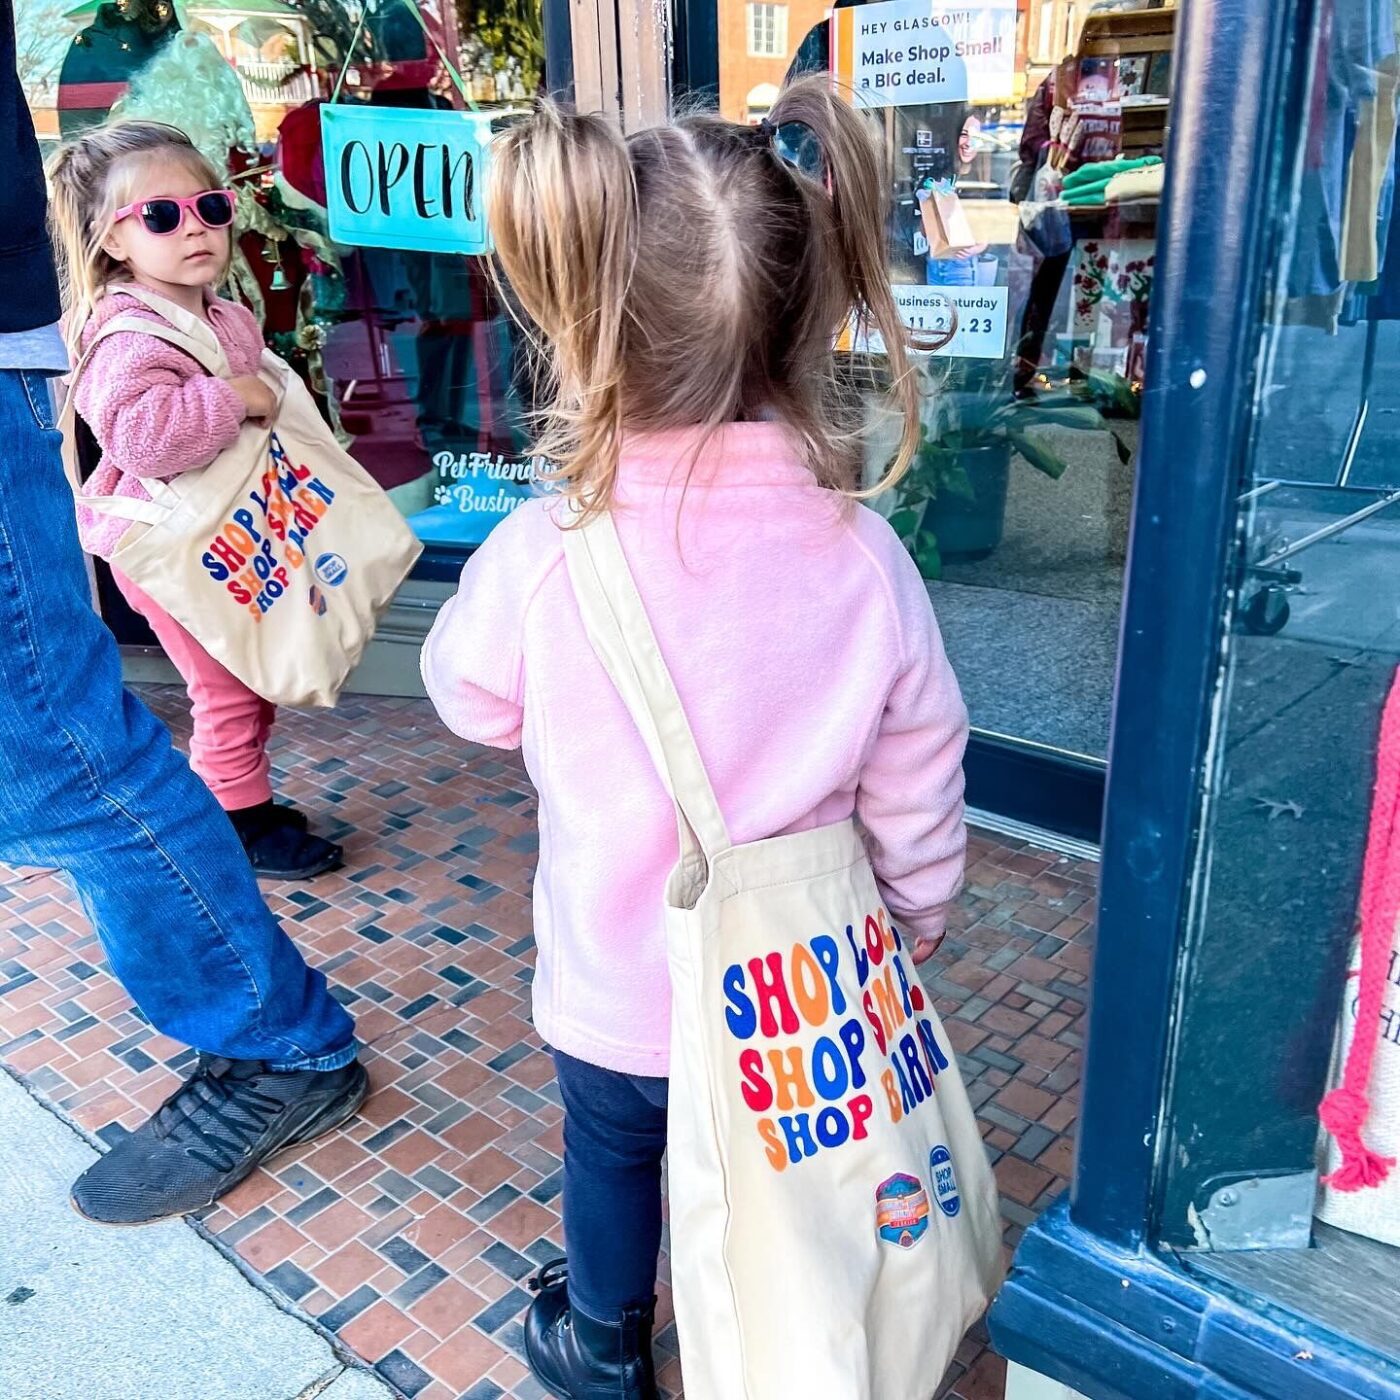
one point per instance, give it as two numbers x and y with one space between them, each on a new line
614 1139
89 783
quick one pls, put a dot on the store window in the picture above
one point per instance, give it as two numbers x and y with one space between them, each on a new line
411 355
1002 126
1302 767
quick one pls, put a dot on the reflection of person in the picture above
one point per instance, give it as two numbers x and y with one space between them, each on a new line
418 360
1074 84
967 142
629 338
1035 138
91 784
105 57
156 413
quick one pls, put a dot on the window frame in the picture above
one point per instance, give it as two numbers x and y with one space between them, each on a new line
776 16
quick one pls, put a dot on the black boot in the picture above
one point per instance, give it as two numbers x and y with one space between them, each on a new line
279 845
579 1359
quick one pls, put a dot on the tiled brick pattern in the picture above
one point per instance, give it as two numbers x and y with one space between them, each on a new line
411 1233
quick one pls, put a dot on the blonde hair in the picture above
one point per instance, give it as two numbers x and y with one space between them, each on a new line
689 275
89 181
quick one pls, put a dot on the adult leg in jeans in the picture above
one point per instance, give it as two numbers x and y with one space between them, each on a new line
590 1328
89 783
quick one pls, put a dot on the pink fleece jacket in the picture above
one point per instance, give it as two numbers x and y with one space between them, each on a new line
154 411
807 657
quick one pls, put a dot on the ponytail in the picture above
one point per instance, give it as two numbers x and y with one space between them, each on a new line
860 204
688 277
562 206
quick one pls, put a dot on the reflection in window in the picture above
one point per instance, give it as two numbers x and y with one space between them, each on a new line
1017 506
410 353
767 30
760 101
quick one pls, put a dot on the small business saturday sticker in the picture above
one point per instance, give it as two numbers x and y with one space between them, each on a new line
981 333
901 1211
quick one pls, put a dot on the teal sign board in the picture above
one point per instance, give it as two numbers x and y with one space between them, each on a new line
407 179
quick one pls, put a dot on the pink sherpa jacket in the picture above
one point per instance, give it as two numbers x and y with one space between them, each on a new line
153 410
809 663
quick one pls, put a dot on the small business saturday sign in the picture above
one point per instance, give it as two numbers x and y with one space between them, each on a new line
981 332
397 178
913 52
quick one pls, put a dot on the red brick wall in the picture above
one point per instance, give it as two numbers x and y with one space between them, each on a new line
739 71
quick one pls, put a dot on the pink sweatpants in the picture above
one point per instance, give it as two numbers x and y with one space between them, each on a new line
228 748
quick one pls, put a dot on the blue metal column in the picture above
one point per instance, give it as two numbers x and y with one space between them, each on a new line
1216 232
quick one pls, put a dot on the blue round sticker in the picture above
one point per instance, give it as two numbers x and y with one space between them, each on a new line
945 1182
331 569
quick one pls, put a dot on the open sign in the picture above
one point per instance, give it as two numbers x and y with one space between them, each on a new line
399 178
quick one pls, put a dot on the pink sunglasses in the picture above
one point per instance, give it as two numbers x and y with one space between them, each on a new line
166 215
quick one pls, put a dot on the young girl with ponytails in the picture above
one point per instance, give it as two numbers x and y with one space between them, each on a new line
137 211
689 286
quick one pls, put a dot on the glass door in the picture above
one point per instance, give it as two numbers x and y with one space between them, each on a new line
1022 148
410 354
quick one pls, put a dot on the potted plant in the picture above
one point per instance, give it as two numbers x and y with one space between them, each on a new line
951 504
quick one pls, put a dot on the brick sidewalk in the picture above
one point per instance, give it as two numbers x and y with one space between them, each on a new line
411 1232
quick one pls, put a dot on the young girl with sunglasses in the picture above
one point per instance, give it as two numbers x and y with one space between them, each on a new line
135 208
690 285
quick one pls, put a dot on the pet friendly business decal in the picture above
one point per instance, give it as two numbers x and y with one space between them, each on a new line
478 483
397 178
879 1054
908 53
268 539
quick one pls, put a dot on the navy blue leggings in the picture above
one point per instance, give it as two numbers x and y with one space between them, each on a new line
614 1139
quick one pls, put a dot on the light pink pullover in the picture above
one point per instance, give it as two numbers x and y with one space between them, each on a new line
807 657
153 410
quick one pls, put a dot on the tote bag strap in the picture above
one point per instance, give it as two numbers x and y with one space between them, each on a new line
211 360
197 336
621 635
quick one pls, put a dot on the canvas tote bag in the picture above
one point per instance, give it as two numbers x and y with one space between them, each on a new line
1361 1115
281 554
834 1226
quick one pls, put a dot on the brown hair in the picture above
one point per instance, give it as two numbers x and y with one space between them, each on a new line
689 275
89 181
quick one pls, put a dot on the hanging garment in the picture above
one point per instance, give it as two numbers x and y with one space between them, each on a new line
1356 44
1371 167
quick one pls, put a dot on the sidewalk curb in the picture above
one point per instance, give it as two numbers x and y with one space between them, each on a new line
348 1377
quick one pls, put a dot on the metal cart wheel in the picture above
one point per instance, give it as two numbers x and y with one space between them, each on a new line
1265 611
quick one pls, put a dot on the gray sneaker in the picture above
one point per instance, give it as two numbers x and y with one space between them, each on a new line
222 1122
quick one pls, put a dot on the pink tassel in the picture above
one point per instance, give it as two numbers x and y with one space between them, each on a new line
1343 1113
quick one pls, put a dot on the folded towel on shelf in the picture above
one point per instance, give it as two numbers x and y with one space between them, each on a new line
1093 197
1099 173
1135 184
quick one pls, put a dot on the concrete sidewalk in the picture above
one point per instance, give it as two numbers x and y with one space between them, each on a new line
150 1314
